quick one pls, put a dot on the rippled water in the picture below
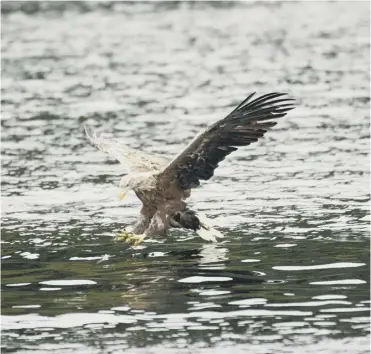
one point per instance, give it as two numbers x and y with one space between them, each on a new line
293 273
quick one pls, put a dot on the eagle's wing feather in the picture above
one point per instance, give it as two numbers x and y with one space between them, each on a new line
133 160
244 125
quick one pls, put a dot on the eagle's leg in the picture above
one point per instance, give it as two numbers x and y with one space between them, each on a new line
159 223
158 226
135 234
141 224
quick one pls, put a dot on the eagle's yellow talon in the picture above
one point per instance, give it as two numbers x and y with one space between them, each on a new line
123 236
135 239
128 237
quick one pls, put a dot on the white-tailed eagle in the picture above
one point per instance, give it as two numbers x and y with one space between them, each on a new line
162 185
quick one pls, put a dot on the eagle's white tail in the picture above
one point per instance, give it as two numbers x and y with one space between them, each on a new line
207 232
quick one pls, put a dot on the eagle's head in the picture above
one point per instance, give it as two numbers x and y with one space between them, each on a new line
134 181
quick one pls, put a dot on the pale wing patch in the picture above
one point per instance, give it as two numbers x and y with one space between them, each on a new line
133 160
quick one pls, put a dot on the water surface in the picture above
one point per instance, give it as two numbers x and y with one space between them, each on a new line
293 272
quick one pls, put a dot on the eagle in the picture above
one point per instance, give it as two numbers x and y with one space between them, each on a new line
163 184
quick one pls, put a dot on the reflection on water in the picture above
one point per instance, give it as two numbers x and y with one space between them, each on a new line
292 273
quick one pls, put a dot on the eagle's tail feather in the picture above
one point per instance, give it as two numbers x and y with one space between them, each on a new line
206 230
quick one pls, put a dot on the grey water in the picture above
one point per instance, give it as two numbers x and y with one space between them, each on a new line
292 274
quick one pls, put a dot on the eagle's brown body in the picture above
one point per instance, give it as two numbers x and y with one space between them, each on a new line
161 201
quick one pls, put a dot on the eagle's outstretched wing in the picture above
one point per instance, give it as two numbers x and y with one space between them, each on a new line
133 160
244 125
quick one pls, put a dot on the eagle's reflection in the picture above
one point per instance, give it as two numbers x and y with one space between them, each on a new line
167 281
210 254
213 255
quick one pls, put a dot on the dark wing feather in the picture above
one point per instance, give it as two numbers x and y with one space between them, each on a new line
244 125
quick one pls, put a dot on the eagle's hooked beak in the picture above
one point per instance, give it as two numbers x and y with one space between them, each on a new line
123 192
